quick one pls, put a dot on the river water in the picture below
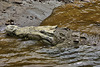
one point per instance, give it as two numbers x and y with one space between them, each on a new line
80 16
16 52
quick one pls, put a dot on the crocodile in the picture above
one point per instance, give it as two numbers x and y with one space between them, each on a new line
53 35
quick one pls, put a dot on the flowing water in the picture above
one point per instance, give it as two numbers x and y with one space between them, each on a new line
16 52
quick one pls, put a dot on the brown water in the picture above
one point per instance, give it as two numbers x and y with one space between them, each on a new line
16 52
80 16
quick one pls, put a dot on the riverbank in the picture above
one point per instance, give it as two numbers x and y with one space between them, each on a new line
25 13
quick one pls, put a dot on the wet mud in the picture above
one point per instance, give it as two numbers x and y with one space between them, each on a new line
25 13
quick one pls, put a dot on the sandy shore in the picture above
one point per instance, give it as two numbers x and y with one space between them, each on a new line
25 13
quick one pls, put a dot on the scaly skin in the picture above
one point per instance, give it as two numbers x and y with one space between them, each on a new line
53 35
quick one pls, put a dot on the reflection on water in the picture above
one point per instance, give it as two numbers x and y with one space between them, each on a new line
28 53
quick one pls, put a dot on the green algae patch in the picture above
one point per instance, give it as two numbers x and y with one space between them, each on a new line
80 16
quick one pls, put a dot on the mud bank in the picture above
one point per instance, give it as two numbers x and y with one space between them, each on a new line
25 13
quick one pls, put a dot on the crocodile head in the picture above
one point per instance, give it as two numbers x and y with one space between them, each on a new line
11 28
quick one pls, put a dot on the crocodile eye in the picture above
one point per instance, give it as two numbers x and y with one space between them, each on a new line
12 27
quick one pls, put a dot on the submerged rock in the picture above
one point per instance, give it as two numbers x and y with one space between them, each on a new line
53 35
79 16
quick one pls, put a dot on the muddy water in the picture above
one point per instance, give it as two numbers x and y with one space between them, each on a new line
80 16
16 52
